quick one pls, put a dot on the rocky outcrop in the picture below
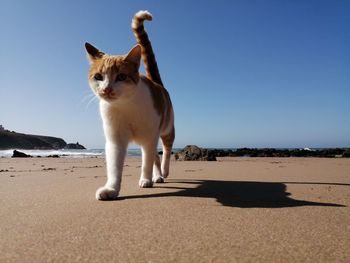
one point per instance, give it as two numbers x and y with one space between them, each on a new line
74 146
346 153
11 140
271 152
195 153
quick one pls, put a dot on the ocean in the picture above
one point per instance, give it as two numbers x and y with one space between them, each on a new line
66 153
100 152
71 153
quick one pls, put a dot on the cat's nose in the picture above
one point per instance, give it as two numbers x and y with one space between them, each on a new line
107 91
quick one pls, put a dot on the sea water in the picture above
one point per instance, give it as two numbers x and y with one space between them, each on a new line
65 153
69 153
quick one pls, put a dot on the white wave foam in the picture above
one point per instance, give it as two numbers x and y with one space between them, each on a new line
45 153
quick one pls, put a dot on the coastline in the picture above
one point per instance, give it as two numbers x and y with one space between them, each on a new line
235 209
218 152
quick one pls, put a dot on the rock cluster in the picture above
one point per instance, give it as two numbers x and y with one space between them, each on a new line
195 153
74 146
271 152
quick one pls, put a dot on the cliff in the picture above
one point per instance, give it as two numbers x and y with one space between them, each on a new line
14 140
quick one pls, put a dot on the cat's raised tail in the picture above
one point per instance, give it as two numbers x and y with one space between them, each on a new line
148 56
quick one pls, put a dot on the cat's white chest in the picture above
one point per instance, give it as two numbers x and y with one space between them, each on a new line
135 119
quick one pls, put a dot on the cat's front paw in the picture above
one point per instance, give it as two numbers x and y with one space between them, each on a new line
106 193
145 183
158 179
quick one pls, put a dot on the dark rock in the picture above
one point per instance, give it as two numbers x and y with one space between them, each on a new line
195 153
222 152
346 153
18 154
74 146
53 156
270 152
192 152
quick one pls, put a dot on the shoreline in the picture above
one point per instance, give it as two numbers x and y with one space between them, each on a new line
217 152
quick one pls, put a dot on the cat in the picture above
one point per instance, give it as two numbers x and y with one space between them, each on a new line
134 108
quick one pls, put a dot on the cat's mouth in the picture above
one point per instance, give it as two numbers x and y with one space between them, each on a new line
108 96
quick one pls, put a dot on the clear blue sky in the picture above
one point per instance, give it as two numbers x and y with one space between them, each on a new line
240 73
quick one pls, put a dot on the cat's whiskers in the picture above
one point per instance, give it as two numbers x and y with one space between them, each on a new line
88 98
93 99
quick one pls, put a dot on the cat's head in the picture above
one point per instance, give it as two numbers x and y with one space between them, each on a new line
113 78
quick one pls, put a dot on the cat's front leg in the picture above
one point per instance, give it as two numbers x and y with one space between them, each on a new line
115 156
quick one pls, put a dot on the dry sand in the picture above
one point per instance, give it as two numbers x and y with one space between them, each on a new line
233 210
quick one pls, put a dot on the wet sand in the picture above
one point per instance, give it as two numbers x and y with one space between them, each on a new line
233 210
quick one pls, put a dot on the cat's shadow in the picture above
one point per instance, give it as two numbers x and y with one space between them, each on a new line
243 194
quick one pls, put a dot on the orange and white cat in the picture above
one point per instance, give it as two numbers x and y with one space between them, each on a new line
134 108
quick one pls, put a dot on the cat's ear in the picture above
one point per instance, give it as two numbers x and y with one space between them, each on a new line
134 55
93 53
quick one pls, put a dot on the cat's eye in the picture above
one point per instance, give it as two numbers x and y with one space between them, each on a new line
98 76
121 77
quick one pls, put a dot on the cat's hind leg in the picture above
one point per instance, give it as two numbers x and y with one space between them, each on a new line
167 141
148 154
157 174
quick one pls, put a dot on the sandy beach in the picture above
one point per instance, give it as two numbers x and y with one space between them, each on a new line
232 210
